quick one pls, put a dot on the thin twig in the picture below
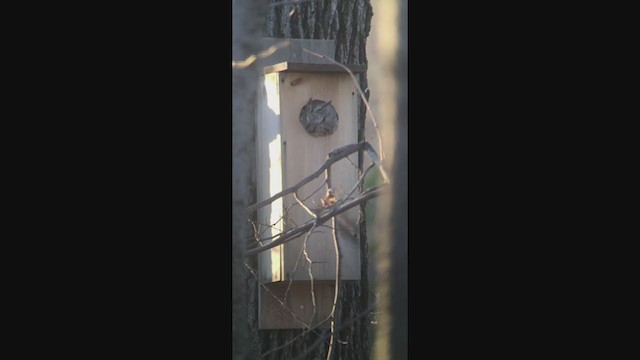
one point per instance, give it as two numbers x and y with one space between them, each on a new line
295 196
315 191
294 233
253 272
281 218
304 332
286 344
322 337
295 267
336 292
346 324
333 157
293 274
255 232
376 160
265 228
360 180
278 235
354 165
261 55
362 96
306 256
335 318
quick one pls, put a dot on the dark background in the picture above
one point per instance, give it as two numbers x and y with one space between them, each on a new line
126 140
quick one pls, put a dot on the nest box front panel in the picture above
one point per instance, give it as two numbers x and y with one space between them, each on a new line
318 113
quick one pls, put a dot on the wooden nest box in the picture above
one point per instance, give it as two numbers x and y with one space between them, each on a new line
306 109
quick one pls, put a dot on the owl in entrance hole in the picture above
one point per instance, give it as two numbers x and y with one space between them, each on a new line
319 118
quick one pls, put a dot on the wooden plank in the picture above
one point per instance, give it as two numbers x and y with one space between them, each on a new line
298 305
303 154
269 174
315 68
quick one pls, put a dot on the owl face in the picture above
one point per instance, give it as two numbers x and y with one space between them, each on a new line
319 118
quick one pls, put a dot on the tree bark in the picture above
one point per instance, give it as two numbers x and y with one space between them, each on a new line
247 23
348 22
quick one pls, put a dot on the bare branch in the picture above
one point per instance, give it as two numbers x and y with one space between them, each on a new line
251 59
360 180
293 274
352 163
376 160
294 233
332 315
346 324
335 317
286 344
255 233
315 191
305 332
336 246
362 96
273 226
253 272
306 256
295 195
333 157
280 234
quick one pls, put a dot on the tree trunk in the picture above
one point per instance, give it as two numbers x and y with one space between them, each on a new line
348 23
246 24
391 337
